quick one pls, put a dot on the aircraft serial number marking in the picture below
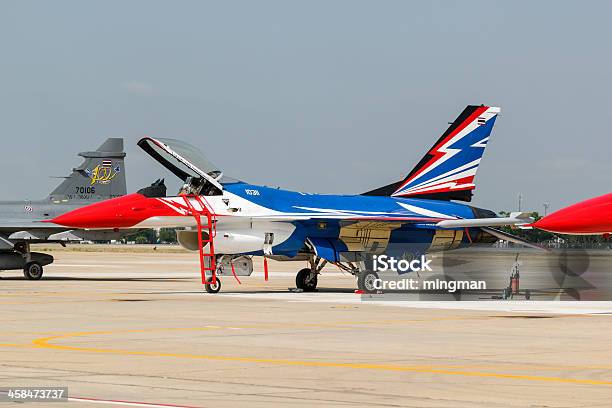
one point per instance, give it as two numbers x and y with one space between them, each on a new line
85 190
252 192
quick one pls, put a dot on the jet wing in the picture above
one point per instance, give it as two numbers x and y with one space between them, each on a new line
379 226
404 213
19 225
440 221
344 217
27 230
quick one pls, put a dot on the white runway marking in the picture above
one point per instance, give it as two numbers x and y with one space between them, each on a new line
121 402
552 307
118 266
126 403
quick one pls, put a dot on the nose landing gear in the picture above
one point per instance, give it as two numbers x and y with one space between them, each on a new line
213 287
307 278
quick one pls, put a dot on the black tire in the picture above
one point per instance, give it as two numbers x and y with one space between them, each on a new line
365 281
210 288
33 271
302 282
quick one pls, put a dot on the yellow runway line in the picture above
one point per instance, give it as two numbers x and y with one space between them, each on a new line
15 345
431 369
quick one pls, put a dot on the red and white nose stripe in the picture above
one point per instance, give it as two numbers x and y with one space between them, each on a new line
120 212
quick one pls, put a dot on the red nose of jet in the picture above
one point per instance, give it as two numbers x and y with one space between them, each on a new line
120 212
592 216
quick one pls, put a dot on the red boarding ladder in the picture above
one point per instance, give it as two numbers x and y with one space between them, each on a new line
211 227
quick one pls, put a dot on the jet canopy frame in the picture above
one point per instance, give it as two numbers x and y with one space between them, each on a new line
185 161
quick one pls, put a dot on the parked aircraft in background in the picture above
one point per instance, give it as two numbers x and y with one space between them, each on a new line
101 176
589 217
228 221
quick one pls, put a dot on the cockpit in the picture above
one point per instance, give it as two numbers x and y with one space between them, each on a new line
200 176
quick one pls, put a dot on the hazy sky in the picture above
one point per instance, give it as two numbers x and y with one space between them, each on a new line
319 96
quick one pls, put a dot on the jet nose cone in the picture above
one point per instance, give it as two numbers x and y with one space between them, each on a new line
78 218
592 216
556 223
106 214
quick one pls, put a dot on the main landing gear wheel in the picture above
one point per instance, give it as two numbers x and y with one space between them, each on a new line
213 288
366 281
33 271
304 281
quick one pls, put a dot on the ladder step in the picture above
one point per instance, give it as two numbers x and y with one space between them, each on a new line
210 226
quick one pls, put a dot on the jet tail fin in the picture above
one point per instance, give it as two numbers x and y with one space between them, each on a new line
447 170
99 177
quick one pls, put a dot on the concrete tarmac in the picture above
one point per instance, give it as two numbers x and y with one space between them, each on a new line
136 329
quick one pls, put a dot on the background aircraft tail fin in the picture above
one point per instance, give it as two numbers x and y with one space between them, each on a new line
99 177
447 170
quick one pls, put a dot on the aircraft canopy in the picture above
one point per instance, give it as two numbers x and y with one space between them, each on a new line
182 159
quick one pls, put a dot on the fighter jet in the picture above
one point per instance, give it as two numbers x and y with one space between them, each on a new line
101 176
228 221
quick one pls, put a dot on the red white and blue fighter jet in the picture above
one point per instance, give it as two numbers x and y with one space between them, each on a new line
229 221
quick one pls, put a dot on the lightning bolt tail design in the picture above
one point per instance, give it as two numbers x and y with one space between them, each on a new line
447 170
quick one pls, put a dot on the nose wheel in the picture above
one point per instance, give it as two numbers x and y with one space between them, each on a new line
213 287
306 280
